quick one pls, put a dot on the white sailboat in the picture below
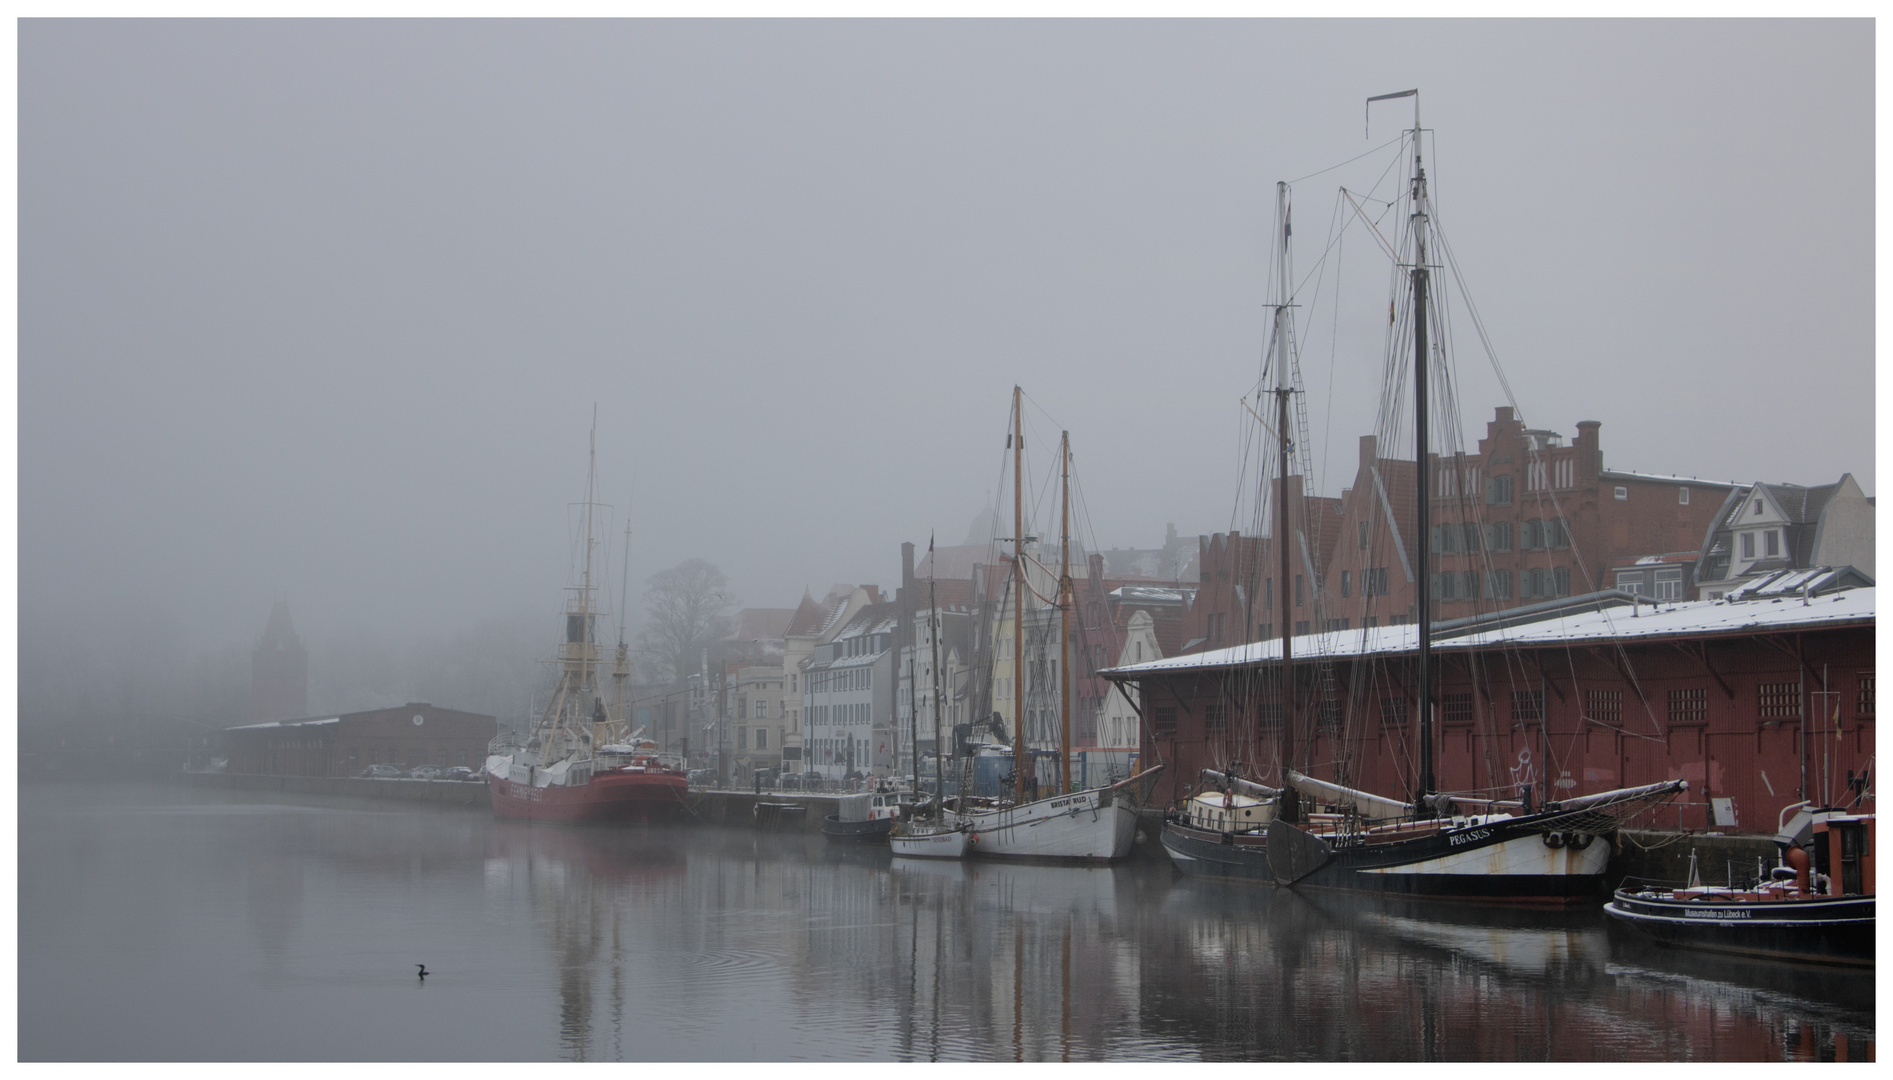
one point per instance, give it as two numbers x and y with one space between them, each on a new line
1095 824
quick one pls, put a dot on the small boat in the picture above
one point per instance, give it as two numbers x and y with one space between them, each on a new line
1817 906
929 840
1222 832
867 817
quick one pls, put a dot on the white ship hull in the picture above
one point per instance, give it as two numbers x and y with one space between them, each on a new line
1099 824
944 844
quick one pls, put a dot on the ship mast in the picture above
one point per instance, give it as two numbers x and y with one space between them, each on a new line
1417 275
568 717
1018 600
1065 679
621 672
933 638
1290 802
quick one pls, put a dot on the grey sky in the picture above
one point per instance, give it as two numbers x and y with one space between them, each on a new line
320 309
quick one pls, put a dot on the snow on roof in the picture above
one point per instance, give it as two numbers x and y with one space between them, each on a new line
1147 594
1620 625
1789 583
1668 479
285 723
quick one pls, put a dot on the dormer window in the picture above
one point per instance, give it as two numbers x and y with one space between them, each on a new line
1773 542
1758 508
1748 545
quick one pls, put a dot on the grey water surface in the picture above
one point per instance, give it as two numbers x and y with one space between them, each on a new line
173 923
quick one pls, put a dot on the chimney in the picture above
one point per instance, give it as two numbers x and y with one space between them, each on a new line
1590 455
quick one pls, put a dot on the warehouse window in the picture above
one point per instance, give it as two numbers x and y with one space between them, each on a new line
1778 701
1606 706
1689 708
1456 708
1393 712
1527 705
1163 720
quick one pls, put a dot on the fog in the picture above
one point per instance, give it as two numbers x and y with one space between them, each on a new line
320 311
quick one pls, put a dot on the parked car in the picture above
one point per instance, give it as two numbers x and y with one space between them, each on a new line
460 772
382 772
700 776
424 772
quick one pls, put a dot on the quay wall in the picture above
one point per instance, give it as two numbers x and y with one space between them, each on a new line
458 793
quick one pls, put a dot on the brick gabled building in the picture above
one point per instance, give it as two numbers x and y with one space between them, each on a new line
1526 519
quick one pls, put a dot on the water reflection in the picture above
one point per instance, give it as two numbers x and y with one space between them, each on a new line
711 944
1354 978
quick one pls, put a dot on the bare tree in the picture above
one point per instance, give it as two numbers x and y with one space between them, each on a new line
686 606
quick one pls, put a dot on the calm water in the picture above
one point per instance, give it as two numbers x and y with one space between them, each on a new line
170 923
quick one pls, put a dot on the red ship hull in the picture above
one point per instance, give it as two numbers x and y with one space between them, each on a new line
611 797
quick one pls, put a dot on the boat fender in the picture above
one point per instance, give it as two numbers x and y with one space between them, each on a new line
1554 839
972 838
1798 858
1579 841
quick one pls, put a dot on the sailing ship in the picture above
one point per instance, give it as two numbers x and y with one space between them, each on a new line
931 837
1093 824
580 763
1324 835
1435 846
1815 906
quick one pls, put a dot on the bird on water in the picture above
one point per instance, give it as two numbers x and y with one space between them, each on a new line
423 968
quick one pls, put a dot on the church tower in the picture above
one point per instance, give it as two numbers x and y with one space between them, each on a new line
279 671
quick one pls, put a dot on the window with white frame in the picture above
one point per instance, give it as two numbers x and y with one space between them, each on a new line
1682 496
1669 583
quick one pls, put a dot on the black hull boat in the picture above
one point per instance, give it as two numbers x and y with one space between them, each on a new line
1554 857
866 832
1830 930
1817 907
868 817
1221 833
1517 862
1228 856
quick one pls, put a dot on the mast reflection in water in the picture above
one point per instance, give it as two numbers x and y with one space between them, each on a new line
295 924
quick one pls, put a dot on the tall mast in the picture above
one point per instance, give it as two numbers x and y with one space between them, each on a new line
588 652
913 718
933 637
1423 615
621 672
1290 804
1018 599
1065 680
1422 525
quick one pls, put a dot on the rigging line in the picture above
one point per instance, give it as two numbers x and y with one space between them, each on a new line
1371 227
1351 160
